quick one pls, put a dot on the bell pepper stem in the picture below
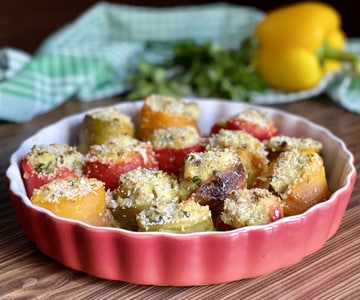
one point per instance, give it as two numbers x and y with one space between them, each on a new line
341 56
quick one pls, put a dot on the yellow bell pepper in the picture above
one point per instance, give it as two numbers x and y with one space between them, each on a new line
298 44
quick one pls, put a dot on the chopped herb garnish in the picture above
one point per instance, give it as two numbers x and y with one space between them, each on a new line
197 180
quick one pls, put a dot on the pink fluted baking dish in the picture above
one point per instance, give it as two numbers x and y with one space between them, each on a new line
187 259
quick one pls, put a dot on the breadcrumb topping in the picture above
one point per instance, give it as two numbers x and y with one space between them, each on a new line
253 116
47 158
290 166
175 137
182 214
249 207
143 186
69 189
111 114
118 148
201 165
173 106
237 139
282 143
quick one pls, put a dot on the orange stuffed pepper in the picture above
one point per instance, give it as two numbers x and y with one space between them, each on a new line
162 112
80 198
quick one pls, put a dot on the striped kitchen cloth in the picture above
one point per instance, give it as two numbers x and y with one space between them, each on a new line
92 57
344 89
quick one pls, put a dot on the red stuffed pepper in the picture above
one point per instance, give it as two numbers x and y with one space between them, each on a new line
108 161
251 121
45 163
171 145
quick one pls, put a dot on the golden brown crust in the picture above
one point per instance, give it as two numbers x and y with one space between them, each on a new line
222 183
251 207
298 177
251 151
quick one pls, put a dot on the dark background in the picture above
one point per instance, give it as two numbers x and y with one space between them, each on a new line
25 24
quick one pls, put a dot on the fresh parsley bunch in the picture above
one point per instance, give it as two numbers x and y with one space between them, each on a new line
203 70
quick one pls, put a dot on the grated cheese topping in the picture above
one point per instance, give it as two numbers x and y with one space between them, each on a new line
69 189
175 137
249 207
173 105
185 212
253 116
282 143
48 158
118 148
290 166
201 165
111 114
237 139
146 186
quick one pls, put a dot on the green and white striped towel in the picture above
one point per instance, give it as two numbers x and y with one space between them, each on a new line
92 57
345 89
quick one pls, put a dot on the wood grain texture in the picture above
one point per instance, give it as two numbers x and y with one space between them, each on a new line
333 272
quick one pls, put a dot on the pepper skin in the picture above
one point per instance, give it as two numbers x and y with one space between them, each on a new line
171 160
298 44
34 180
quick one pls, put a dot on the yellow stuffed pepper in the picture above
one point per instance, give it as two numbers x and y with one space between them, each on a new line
298 44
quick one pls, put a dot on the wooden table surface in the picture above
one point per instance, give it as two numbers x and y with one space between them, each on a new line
331 273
